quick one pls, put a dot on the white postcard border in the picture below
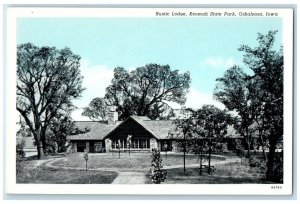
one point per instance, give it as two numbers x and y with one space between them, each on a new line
178 189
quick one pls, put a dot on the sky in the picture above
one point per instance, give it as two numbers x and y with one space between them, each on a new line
205 47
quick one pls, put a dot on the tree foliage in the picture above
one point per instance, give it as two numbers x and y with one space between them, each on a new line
144 91
212 122
203 129
267 65
97 109
59 128
234 91
261 99
211 128
48 80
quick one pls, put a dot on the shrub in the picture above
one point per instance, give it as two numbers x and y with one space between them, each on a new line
157 174
19 165
278 167
20 148
258 163
255 162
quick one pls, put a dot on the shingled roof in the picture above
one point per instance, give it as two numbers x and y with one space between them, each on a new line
99 130
158 128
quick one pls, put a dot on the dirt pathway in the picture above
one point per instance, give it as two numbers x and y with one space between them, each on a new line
131 178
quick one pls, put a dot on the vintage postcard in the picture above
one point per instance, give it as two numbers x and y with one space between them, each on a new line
183 101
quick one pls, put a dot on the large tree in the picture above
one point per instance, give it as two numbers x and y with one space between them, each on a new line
145 90
262 95
267 65
211 127
59 128
233 90
202 130
48 80
97 109
183 134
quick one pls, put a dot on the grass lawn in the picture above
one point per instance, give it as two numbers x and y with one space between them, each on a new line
31 172
134 161
34 171
233 173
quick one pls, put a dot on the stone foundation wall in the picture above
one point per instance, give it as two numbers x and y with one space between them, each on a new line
74 147
153 143
108 145
159 145
87 146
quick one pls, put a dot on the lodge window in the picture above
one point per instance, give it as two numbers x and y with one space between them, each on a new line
135 144
166 145
115 143
98 147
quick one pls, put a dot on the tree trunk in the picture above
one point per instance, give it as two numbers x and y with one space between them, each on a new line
201 157
263 146
44 145
209 155
248 139
43 139
40 151
248 151
265 154
184 150
39 143
184 160
270 163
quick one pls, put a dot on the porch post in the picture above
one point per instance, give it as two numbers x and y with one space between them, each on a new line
87 146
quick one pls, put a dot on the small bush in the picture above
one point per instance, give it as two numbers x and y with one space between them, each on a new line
278 167
19 165
20 148
157 174
258 164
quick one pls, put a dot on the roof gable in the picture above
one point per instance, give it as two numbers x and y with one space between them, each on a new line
159 129
138 120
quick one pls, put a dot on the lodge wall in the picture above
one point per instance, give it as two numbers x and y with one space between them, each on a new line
96 146
141 139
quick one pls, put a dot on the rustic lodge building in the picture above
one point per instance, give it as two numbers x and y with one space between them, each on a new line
137 133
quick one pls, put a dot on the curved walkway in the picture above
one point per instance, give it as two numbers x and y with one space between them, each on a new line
130 176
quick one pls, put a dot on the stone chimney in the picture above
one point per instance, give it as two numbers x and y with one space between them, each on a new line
112 115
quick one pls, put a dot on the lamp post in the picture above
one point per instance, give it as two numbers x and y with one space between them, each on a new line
184 149
166 149
119 144
209 155
129 142
86 157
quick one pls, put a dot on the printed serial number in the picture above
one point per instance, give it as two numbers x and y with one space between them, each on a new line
276 187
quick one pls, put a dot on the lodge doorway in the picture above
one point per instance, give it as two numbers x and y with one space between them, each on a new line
81 146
